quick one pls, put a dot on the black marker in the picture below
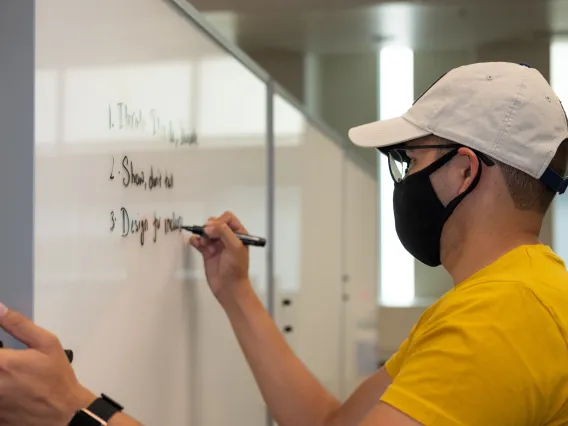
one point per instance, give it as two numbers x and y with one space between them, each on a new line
247 240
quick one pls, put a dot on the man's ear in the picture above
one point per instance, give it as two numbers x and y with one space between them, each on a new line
468 167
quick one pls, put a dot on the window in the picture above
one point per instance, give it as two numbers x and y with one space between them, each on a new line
396 94
559 82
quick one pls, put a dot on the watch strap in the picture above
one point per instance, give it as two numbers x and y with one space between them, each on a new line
85 418
98 413
105 407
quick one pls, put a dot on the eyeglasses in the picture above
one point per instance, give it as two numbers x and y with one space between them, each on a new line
400 162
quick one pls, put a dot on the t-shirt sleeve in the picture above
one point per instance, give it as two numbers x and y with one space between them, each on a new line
475 363
394 363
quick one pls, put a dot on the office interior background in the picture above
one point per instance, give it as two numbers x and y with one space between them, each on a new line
270 88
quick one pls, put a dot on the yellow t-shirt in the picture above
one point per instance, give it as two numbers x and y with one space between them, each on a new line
492 351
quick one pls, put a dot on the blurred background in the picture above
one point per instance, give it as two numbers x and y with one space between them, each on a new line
354 61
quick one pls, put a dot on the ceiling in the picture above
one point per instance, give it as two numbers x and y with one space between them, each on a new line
340 26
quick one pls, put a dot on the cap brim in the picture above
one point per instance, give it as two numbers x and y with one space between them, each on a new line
385 133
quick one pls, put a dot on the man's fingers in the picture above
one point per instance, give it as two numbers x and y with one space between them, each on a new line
222 228
200 243
9 359
217 229
233 222
26 331
215 247
196 242
207 247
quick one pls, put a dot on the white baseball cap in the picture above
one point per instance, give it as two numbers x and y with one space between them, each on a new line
505 110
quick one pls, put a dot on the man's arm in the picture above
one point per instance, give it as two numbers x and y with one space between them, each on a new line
362 401
293 394
74 404
385 415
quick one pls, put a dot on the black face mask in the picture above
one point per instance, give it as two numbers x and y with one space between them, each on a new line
420 216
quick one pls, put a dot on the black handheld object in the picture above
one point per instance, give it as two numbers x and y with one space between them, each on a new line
247 240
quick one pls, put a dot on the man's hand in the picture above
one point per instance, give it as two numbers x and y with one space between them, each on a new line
37 385
225 257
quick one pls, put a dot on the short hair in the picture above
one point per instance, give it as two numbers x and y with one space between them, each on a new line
528 193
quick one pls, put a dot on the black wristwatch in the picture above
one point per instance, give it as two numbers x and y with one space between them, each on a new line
98 413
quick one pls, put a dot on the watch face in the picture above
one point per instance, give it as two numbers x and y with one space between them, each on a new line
82 418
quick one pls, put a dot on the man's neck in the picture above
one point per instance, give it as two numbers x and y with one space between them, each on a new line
481 249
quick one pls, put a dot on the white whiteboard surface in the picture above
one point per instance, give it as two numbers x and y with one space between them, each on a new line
131 85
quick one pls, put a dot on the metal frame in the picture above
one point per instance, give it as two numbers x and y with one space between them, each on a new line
270 156
193 14
310 117
271 185
352 151
17 68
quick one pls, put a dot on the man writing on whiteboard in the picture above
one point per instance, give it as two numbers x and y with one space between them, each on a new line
477 161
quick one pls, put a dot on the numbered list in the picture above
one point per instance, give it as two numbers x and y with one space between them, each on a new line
124 172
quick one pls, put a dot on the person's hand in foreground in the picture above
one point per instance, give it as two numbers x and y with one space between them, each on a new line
37 385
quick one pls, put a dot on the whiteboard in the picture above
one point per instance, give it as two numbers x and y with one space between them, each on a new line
142 120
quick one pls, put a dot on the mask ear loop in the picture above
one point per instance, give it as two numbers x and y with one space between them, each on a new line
454 203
